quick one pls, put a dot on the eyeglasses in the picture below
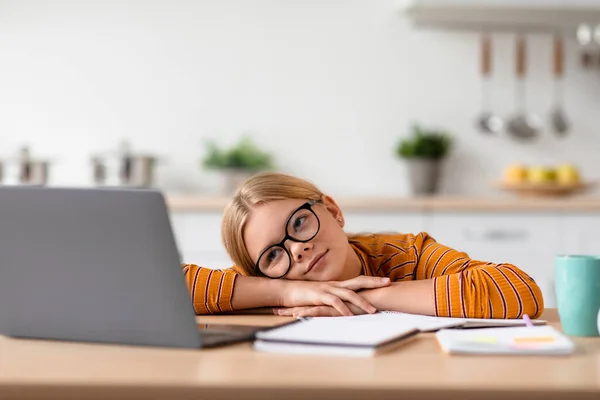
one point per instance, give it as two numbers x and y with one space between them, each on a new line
302 226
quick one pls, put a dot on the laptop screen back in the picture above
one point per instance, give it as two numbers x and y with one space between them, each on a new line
97 265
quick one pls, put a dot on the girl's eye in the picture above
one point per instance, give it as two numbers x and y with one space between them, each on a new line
273 254
298 223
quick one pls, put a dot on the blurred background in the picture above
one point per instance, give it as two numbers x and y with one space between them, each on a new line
327 87
419 115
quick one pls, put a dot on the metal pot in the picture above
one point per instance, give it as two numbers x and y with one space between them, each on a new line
24 169
135 170
138 170
34 172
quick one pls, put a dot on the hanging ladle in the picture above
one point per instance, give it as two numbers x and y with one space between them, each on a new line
523 125
559 120
487 122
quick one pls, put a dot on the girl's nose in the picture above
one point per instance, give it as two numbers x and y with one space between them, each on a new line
299 250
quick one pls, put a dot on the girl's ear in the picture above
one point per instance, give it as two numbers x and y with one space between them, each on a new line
333 209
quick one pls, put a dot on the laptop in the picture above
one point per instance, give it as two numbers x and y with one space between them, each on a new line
97 265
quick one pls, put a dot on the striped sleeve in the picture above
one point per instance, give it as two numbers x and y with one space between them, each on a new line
475 289
211 290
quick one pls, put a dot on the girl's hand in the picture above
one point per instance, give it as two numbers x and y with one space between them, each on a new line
333 294
315 311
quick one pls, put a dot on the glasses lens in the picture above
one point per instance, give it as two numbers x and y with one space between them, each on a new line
274 262
303 225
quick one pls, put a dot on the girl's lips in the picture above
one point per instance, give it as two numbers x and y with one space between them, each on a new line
317 261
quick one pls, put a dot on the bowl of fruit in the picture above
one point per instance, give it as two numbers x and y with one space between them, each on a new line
559 180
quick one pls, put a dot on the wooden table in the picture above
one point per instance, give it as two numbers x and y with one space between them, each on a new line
41 369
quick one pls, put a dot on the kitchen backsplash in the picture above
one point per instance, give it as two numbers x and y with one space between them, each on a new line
329 86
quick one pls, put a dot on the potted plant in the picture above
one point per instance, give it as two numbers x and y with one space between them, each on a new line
238 162
424 152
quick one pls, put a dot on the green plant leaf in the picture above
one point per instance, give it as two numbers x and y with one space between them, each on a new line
425 143
244 155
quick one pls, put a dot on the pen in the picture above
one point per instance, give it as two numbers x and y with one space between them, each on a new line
528 322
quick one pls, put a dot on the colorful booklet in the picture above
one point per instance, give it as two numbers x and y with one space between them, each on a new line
537 340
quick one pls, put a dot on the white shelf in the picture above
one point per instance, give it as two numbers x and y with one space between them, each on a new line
502 15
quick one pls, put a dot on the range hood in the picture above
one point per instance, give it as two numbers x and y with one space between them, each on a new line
511 15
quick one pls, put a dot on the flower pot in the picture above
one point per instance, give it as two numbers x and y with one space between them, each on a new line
424 175
234 178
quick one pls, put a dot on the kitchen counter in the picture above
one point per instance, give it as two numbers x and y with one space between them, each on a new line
199 203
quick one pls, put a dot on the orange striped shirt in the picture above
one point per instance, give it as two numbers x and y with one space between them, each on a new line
463 287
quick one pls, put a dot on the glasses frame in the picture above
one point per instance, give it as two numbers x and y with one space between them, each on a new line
306 206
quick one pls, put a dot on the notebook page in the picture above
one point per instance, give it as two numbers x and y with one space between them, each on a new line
424 323
353 331
434 323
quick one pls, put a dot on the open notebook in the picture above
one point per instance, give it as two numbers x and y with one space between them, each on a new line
426 323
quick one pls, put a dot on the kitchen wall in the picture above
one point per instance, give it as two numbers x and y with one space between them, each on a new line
329 85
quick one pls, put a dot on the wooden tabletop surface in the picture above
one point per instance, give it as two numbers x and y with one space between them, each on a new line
35 369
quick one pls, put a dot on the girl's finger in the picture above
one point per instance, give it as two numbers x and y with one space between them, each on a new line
288 312
319 311
336 303
353 298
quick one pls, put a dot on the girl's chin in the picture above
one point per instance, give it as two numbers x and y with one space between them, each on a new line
325 274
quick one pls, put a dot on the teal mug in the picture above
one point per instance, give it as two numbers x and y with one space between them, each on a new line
578 294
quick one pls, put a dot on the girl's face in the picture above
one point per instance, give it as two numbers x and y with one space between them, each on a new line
314 247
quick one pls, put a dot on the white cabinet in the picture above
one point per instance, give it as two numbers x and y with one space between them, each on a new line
373 222
529 241
582 234
198 237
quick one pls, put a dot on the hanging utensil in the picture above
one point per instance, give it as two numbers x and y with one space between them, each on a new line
559 120
584 37
523 125
487 122
597 44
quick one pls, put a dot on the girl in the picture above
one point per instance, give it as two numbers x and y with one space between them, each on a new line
290 251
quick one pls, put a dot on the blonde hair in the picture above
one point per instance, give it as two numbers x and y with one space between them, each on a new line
258 189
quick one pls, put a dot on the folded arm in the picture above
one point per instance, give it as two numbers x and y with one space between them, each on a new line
450 284
217 291
211 290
